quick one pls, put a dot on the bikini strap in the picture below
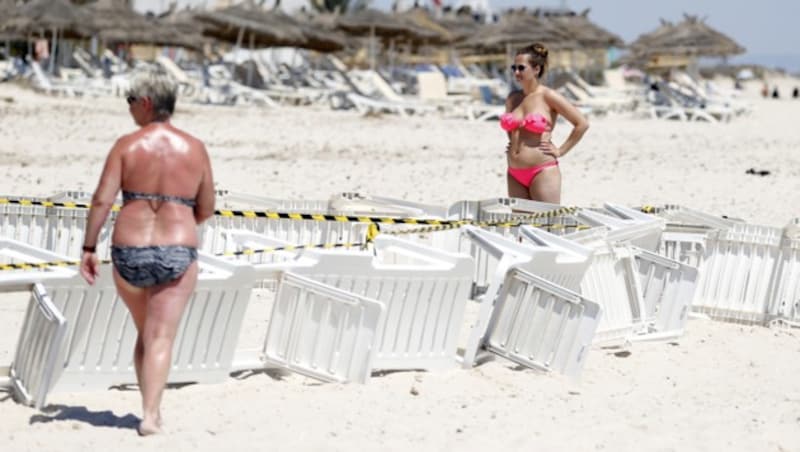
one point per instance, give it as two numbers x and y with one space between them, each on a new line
135 195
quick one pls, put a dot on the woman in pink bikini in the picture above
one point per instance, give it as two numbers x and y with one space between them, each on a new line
529 120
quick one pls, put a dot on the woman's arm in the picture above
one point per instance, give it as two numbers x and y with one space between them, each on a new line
205 193
102 201
511 103
580 125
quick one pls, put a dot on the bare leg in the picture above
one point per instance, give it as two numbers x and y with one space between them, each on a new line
164 310
546 186
135 299
515 189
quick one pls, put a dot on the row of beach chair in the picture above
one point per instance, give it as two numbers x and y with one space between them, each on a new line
410 300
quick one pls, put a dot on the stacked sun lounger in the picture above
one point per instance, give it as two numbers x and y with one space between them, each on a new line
356 286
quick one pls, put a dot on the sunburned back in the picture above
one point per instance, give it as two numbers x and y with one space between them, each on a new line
162 168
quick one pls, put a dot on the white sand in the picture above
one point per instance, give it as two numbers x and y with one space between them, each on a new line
720 387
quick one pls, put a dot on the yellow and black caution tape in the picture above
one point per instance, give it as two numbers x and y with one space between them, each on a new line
507 223
313 216
34 202
41 265
244 252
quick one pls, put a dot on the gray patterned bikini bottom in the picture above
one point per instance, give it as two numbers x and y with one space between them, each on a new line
147 266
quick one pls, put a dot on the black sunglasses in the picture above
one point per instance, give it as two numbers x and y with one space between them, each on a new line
131 99
518 67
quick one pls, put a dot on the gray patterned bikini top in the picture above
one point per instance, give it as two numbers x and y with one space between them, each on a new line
135 195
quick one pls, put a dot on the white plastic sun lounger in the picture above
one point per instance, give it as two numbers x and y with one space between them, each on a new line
541 325
16 252
322 332
57 229
97 350
612 282
627 225
736 273
668 288
33 370
424 291
555 265
785 295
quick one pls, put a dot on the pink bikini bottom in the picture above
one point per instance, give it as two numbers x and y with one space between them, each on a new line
525 176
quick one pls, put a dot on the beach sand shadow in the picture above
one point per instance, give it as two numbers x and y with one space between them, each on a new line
275 374
82 414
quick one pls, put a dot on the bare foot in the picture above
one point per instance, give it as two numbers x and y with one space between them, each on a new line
147 428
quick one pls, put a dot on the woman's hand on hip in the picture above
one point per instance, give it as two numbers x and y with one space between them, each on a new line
89 267
548 148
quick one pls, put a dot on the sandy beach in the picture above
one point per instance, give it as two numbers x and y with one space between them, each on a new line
719 387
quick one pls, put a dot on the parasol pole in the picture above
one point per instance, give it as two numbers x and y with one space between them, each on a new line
53 51
237 48
372 47
250 66
391 60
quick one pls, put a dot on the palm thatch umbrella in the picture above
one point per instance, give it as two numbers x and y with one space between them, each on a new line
114 21
583 30
692 37
422 19
460 26
232 23
313 38
389 27
518 30
54 17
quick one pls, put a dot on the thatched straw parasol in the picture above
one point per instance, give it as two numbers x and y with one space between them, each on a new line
233 23
692 37
114 21
53 17
583 30
518 30
422 19
371 22
44 16
460 26
315 39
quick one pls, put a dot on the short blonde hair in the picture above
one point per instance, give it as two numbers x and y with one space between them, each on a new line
159 86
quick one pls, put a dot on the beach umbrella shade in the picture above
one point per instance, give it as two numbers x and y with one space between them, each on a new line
517 31
460 26
583 30
53 17
388 27
691 37
371 22
233 23
44 16
308 36
114 21
423 20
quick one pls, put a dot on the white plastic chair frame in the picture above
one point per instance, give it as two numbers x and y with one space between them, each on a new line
322 332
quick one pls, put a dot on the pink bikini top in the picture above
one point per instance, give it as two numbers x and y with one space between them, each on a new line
532 122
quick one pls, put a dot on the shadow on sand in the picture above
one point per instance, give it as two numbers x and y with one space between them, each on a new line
82 414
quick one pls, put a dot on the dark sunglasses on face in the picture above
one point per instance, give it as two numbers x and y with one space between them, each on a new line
518 67
131 99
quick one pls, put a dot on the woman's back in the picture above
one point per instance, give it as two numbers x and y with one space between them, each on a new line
162 169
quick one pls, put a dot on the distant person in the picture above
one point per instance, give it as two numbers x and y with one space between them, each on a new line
765 90
530 117
167 190
795 93
775 93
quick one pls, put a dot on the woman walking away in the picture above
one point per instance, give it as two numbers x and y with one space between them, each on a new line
167 189
530 117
